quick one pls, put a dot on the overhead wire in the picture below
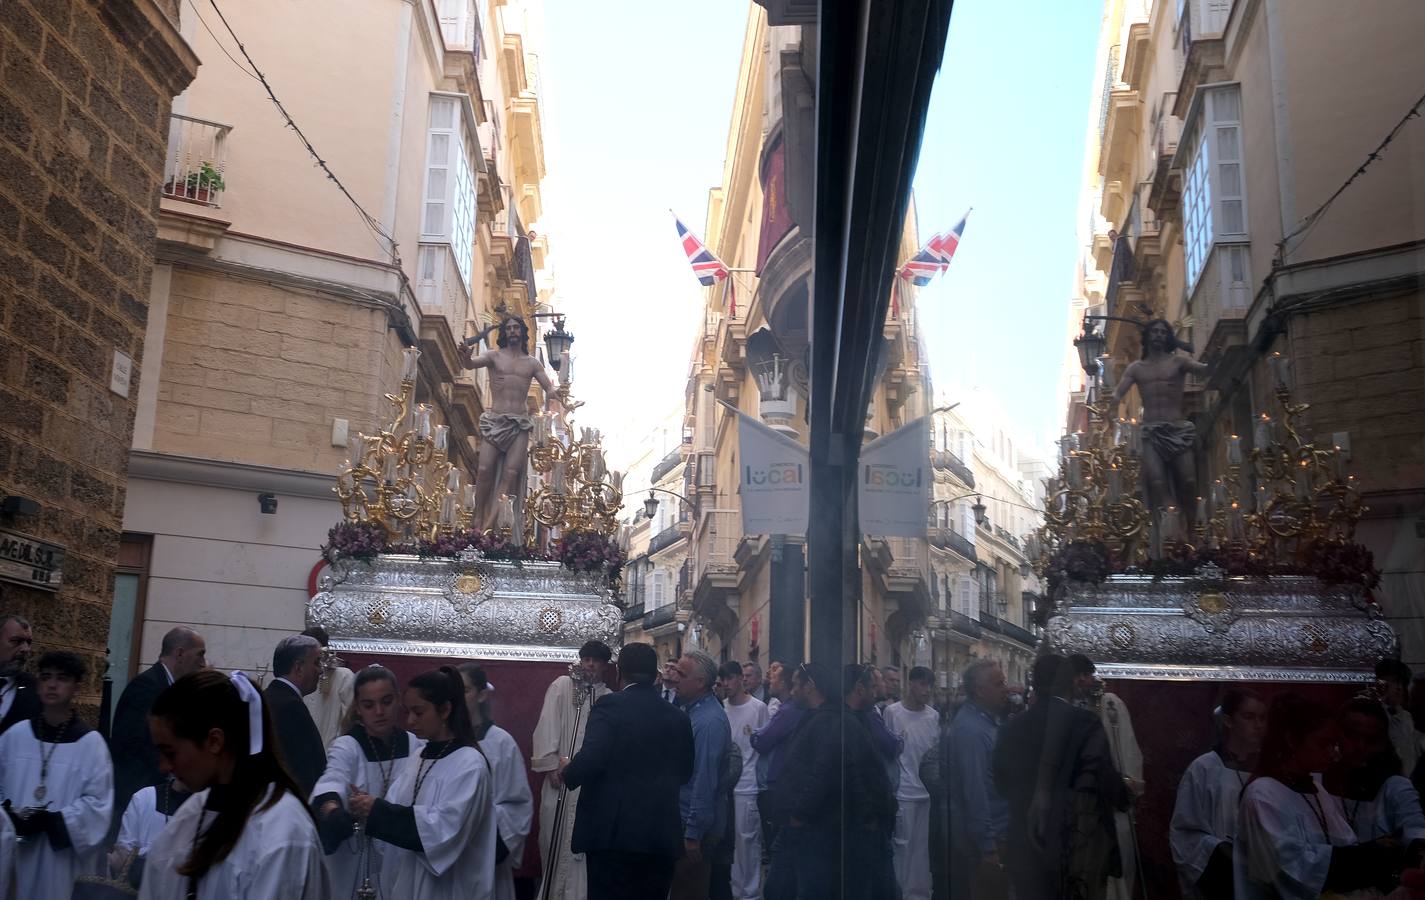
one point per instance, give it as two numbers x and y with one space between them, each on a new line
1304 227
371 222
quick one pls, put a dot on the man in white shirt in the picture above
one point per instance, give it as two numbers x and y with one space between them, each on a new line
745 714
917 724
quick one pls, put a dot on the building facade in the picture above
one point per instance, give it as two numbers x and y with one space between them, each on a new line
742 596
280 310
84 111
1227 134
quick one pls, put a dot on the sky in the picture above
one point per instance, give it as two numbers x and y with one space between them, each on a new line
637 100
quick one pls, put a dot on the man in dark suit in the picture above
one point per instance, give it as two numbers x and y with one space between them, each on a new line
18 700
183 650
1054 768
296 665
637 754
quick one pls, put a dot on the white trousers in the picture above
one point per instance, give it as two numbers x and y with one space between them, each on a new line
747 851
912 849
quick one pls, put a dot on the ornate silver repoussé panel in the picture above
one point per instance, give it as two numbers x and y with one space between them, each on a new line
468 606
1215 628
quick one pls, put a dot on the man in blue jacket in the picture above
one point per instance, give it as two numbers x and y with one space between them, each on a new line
628 820
702 804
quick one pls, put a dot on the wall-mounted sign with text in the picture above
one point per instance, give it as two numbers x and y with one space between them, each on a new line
30 561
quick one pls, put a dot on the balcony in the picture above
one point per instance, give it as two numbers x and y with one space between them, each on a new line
952 540
666 465
716 574
964 624
944 459
633 613
1004 535
440 289
1120 272
1009 630
1120 133
197 160
661 615
666 538
459 24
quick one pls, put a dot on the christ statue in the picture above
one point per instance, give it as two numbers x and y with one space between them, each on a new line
505 427
1169 477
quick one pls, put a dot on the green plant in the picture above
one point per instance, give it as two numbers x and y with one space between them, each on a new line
206 178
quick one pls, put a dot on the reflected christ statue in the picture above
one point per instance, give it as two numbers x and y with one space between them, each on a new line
505 427
1169 476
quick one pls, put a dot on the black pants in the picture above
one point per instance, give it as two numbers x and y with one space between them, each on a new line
628 876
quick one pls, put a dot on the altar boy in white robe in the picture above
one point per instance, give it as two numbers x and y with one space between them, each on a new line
367 758
246 833
57 782
438 817
514 804
1204 822
568 702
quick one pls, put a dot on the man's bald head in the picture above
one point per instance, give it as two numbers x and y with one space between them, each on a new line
183 650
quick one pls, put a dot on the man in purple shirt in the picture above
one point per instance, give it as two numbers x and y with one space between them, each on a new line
771 741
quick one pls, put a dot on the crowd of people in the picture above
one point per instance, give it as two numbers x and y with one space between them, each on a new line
685 779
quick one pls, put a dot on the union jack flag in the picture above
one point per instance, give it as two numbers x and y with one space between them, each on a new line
707 267
935 256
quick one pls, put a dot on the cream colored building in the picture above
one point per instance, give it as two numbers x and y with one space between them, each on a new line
278 311
1222 130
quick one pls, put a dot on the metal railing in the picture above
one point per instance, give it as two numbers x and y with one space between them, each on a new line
950 539
715 542
665 538
633 612
666 465
195 167
945 459
964 624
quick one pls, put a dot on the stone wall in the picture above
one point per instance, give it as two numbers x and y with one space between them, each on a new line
84 101
256 373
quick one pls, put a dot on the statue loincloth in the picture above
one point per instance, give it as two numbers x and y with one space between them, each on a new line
501 429
1169 439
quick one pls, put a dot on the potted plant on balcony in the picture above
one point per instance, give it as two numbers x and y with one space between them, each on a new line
199 186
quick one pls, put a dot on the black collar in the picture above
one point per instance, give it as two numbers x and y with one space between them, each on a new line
72 731
483 729
438 749
377 750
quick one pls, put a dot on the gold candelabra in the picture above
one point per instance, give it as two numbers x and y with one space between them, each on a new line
577 492
401 477
1299 489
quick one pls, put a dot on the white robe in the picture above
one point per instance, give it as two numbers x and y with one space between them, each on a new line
79 786
347 765
455 819
143 821
1281 851
277 855
1128 760
1204 816
560 732
514 805
330 702
1395 812
7 855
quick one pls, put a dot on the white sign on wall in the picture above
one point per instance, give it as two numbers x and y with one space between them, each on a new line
772 479
893 482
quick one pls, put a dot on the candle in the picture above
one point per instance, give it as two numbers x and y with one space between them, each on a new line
1219 494
447 507
1262 436
388 468
1115 484
1234 450
440 437
556 477
1264 498
564 367
1105 366
1119 438
616 479
1201 518
1076 472
357 447
1303 481
1235 529
1171 519
452 480
1135 437
470 496
409 358
1280 368
1342 441
1338 464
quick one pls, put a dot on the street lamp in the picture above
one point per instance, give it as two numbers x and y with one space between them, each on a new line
1090 345
979 510
650 503
557 343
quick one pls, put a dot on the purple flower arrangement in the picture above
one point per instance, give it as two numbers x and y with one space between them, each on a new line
580 551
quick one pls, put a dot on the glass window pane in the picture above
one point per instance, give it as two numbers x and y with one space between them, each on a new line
1227 143
1225 105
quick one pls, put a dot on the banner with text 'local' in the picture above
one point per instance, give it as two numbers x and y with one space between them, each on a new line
772 479
894 481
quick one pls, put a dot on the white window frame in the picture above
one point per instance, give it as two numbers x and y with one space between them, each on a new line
658 591
1214 182
448 205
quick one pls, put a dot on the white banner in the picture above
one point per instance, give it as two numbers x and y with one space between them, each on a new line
894 480
773 479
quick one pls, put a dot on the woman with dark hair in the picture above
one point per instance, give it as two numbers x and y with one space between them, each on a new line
1293 838
438 816
245 832
367 758
514 804
1378 801
1205 815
